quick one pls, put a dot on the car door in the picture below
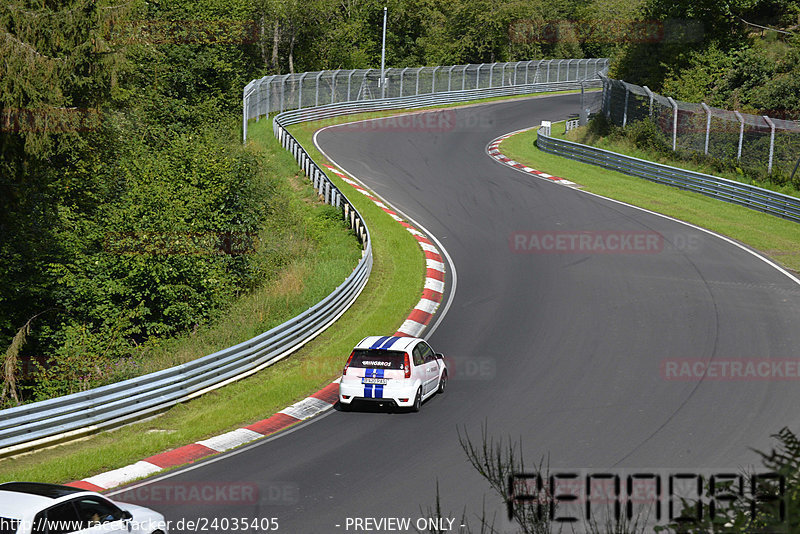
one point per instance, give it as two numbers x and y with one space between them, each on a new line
431 367
420 370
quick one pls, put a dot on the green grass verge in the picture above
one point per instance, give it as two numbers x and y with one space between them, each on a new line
777 238
393 289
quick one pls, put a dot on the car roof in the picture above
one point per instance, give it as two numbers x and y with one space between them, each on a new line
398 343
20 499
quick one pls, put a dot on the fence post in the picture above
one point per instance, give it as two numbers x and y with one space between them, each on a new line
650 94
300 92
316 91
558 70
548 71
283 90
433 79
674 123
402 73
503 75
708 125
244 117
491 71
416 91
771 142
741 135
333 86
268 106
349 78
464 77
478 76
625 109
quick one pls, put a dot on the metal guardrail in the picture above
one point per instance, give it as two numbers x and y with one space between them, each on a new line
750 196
37 424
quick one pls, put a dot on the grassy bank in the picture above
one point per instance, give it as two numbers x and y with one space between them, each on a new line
777 238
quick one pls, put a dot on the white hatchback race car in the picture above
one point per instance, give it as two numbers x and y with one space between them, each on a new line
38 508
402 371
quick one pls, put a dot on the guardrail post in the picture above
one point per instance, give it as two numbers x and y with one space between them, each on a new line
674 123
649 94
741 135
771 142
708 125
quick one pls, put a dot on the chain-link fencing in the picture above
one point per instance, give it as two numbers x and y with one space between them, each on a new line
312 89
752 141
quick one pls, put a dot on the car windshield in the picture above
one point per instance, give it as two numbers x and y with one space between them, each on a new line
379 359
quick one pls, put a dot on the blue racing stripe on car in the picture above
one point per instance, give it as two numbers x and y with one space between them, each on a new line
391 341
379 387
368 387
378 343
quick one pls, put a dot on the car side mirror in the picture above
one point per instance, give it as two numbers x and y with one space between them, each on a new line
126 515
439 356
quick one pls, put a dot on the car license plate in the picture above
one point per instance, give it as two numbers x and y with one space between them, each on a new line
375 381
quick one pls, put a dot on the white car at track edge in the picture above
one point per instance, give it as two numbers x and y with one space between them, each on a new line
39 508
397 370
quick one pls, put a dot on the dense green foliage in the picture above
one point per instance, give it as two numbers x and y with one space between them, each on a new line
740 54
129 210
